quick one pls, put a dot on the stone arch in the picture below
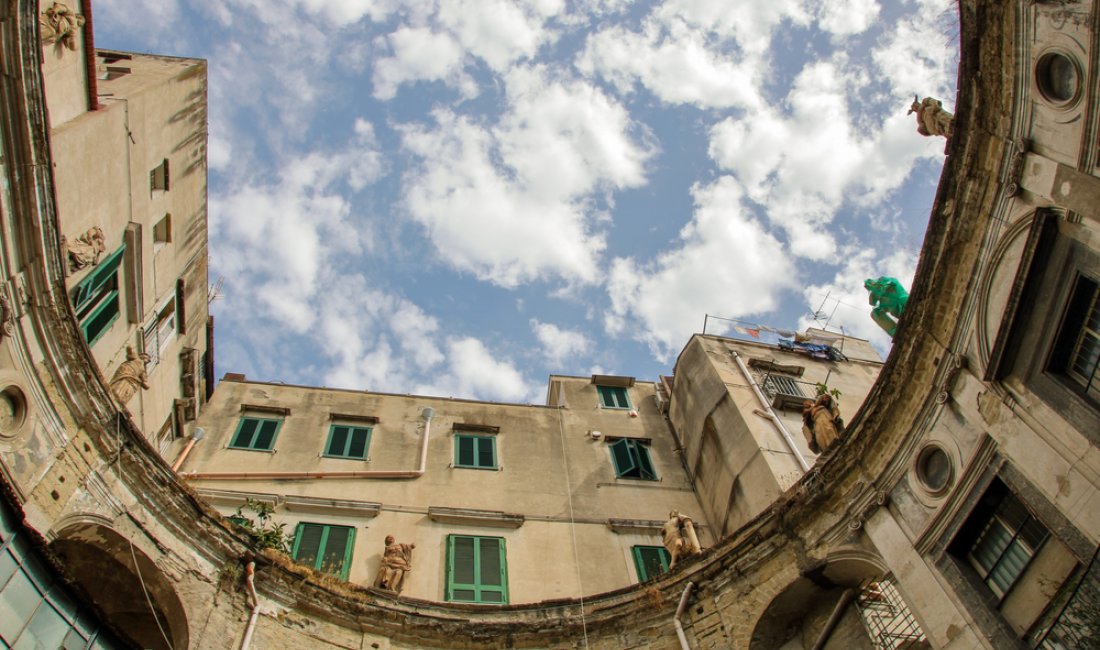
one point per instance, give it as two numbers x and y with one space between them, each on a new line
123 583
796 616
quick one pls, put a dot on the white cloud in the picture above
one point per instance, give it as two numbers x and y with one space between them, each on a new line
845 17
512 204
473 370
726 264
679 68
918 57
803 165
559 344
500 32
419 54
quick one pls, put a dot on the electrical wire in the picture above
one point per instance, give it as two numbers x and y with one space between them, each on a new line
572 523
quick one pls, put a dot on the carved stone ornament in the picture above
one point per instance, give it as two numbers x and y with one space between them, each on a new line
931 118
396 562
59 24
680 538
130 376
6 314
864 503
86 249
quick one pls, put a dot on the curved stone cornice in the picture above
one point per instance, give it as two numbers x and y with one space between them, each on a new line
812 520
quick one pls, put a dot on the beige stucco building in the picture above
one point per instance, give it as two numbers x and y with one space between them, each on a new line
571 494
965 487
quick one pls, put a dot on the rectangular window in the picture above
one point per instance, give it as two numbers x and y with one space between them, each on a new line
999 539
324 548
162 232
346 441
631 458
1076 354
477 571
158 176
613 397
257 434
477 452
96 300
650 561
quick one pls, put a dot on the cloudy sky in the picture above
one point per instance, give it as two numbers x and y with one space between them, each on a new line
459 197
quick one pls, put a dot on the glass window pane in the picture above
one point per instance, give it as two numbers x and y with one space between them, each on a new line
492 597
18 601
338 442
358 447
266 436
47 629
485 453
465 450
462 594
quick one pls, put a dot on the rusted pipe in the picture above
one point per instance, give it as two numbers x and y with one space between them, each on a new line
771 414
250 575
846 599
195 437
679 612
428 414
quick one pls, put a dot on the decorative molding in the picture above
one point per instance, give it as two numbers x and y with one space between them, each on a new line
864 502
315 505
613 380
636 526
349 417
263 408
475 428
469 517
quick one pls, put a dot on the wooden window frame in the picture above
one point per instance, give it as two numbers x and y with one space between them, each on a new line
637 451
640 562
98 294
609 394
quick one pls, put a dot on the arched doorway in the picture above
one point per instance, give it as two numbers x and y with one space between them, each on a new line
124 584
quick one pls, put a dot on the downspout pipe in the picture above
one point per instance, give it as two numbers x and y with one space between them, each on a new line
846 599
250 580
680 612
195 437
786 435
428 413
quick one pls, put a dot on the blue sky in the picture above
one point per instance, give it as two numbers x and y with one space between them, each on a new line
460 197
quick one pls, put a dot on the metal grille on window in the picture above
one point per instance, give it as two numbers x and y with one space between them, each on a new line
1076 621
1084 363
888 620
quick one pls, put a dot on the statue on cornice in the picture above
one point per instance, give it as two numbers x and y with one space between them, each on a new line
86 249
396 562
888 298
130 376
59 24
679 537
820 420
931 118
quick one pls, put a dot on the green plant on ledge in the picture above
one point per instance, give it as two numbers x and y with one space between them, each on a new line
823 388
264 532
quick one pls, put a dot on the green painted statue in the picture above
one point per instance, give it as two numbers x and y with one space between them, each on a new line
888 298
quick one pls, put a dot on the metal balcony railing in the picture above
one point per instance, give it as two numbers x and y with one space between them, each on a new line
890 625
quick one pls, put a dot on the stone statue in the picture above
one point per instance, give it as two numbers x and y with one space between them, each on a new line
888 298
396 562
821 422
86 249
129 376
931 118
680 538
59 24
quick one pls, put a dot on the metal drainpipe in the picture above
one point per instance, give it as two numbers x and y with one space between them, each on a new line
428 413
679 612
195 437
846 599
250 574
771 414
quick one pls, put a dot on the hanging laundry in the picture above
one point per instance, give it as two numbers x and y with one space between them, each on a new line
755 333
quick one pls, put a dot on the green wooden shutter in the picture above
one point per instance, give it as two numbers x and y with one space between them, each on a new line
624 460
645 466
307 544
650 561
265 437
492 571
462 584
245 431
486 453
335 556
357 446
103 273
464 451
337 442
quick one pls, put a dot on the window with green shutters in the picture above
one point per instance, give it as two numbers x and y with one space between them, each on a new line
324 548
650 561
96 299
477 570
613 397
257 434
346 441
477 452
631 459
